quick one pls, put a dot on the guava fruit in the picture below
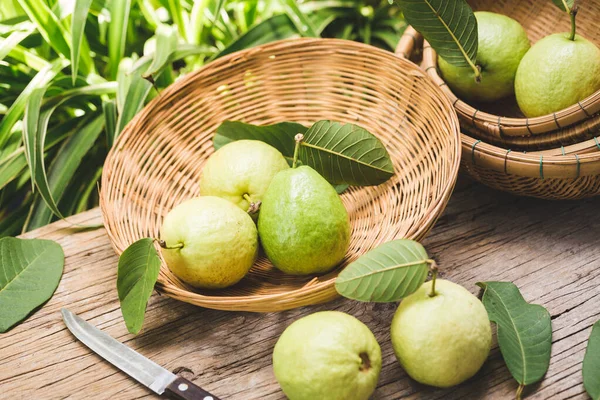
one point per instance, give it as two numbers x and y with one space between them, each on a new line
557 73
502 43
241 172
209 242
303 226
441 340
327 355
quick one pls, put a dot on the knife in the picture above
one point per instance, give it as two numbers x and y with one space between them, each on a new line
145 371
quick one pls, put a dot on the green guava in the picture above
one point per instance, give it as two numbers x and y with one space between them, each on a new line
327 355
303 225
502 43
557 73
441 340
241 172
209 242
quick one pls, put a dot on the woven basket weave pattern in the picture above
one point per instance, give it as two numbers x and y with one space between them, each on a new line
157 160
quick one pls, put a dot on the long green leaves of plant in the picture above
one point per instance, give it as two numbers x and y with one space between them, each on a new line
117 33
63 168
15 112
80 13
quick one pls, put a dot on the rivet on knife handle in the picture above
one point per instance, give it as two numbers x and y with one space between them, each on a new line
182 389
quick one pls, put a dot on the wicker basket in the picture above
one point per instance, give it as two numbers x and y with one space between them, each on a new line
569 172
571 125
156 161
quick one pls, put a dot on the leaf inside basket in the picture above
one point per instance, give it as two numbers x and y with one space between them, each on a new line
280 136
385 274
564 5
448 25
345 153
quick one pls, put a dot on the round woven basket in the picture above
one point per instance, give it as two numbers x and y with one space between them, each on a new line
578 122
156 162
565 172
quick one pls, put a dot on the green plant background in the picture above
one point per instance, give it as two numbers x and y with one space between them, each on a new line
73 73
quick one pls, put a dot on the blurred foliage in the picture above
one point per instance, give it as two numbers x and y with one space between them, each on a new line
73 73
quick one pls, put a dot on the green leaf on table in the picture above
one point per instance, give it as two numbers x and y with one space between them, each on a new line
450 28
30 271
280 136
136 275
385 274
78 20
524 331
345 153
564 5
591 364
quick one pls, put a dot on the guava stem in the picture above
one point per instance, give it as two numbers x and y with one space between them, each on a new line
163 244
519 392
477 70
434 272
247 197
573 14
299 138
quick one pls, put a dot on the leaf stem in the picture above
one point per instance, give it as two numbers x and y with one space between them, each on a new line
434 272
573 14
299 138
519 391
163 244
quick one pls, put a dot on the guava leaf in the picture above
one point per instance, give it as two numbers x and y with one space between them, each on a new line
30 271
345 153
524 331
591 364
564 5
280 136
136 275
449 26
385 274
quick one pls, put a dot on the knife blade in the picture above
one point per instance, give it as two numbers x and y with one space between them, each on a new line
147 372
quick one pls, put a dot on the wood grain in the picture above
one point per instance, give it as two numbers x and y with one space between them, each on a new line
551 250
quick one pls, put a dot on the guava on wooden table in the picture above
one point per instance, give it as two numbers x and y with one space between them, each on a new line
441 340
327 355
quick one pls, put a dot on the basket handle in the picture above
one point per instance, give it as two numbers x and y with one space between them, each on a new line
407 42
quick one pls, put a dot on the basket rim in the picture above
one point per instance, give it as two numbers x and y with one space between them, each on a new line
510 126
288 299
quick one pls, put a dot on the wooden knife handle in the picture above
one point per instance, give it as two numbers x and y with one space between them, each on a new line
182 389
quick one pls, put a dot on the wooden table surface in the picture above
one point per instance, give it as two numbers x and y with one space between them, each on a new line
551 250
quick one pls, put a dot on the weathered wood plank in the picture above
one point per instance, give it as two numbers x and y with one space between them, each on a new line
551 250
